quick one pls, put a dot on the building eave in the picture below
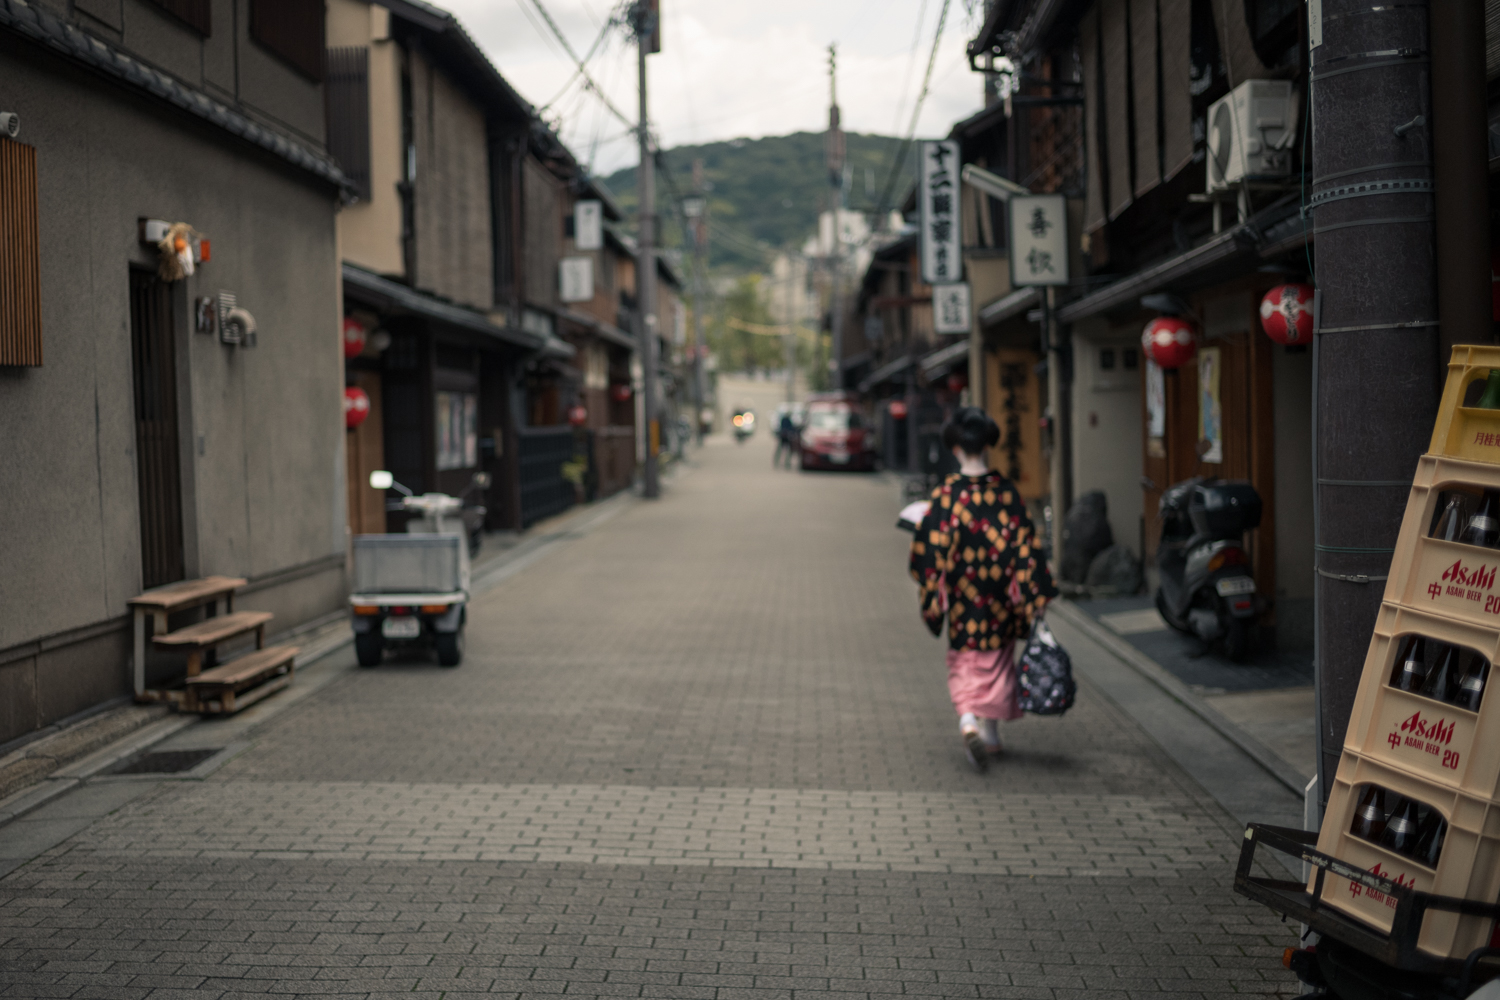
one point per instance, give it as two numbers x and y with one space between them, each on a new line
371 288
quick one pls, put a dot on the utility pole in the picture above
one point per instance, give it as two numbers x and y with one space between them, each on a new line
700 248
1376 370
647 40
836 190
791 335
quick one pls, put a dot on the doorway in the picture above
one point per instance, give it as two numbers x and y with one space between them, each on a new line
154 364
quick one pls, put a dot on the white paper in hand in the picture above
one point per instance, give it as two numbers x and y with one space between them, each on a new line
912 514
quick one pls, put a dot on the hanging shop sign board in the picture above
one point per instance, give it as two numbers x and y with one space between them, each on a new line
588 225
1038 239
942 259
950 308
1210 407
576 279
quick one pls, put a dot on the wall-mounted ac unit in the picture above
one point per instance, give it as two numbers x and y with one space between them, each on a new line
1250 134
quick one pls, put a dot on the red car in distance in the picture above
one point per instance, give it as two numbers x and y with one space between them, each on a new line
836 435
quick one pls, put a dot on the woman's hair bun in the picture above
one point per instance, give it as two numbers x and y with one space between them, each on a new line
971 429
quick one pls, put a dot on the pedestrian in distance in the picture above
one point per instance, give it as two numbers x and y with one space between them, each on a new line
979 567
786 441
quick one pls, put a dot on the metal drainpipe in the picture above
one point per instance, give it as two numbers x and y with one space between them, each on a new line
1378 370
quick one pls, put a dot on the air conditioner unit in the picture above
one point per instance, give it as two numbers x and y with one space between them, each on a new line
1250 134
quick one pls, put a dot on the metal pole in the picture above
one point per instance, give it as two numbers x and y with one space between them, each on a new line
646 262
836 183
700 239
791 336
1378 368
1057 403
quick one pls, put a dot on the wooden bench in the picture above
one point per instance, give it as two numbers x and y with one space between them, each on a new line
240 682
156 604
197 639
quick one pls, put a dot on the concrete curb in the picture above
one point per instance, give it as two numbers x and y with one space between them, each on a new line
1158 675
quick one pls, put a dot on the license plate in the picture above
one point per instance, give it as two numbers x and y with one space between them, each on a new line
401 628
838 458
1231 585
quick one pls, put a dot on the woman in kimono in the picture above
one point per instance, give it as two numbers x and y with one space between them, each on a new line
979 566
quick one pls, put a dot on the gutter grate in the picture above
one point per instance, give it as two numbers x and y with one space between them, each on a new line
165 762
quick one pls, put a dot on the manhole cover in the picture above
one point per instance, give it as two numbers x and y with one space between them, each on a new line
165 762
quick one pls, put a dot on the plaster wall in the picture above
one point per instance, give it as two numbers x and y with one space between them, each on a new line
454 251
260 428
1107 443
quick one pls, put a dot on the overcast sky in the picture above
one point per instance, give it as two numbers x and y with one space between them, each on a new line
734 68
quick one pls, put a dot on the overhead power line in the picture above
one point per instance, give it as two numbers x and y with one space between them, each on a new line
916 112
582 70
598 40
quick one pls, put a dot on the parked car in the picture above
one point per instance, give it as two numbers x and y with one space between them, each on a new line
837 435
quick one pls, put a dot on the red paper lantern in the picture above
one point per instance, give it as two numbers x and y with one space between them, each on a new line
1286 314
1169 341
620 392
958 382
898 410
354 337
356 406
577 416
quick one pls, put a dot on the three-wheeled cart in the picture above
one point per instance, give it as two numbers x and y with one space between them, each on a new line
413 589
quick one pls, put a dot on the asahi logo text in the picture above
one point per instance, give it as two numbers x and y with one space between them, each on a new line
1467 583
1400 879
1425 736
1464 577
1440 731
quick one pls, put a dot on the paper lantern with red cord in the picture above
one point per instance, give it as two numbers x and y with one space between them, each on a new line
577 416
1286 314
356 406
620 392
354 337
1170 341
898 409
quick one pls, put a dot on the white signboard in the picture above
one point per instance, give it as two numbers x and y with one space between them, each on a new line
576 278
1038 240
588 225
1156 401
950 308
937 198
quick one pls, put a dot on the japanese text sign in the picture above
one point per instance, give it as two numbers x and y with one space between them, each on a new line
588 225
1038 240
575 279
950 308
937 196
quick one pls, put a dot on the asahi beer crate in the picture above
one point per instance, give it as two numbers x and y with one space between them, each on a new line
1446 578
1464 430
1468 866
1435 740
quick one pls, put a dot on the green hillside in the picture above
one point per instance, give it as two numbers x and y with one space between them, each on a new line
766 190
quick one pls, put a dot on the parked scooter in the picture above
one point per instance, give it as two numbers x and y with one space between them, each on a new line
744 425
1206 587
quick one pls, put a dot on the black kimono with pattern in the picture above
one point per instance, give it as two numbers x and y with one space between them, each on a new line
978 562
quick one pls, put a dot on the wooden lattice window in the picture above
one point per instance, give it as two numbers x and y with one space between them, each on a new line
196 14
348 96
20 266
293 31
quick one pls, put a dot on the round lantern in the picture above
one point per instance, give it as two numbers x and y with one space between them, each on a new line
354 337
898 410
356 406
620 392
577 416
957 382
1286 314
1169 341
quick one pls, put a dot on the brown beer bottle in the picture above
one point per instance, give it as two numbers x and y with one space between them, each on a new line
1484 524
1401 829
1411 666
1471 688
1430 839
1369 816
1442 681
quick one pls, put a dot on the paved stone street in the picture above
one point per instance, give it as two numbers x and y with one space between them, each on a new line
701 750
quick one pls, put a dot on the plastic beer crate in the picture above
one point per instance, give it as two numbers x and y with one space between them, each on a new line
1422 736
1468 867
1445 578
1466 431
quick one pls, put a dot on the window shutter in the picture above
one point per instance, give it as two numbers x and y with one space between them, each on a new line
292 30
20 267
1088 38
196 14
1115 43
1143 86
348 97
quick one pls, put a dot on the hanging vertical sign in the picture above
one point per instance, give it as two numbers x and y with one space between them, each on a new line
1210 407
950 308
1038 239
575 279
937 196
588 225
1156 410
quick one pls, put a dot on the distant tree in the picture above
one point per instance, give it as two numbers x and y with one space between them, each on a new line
739 349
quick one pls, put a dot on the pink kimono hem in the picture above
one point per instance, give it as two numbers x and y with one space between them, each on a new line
984 682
